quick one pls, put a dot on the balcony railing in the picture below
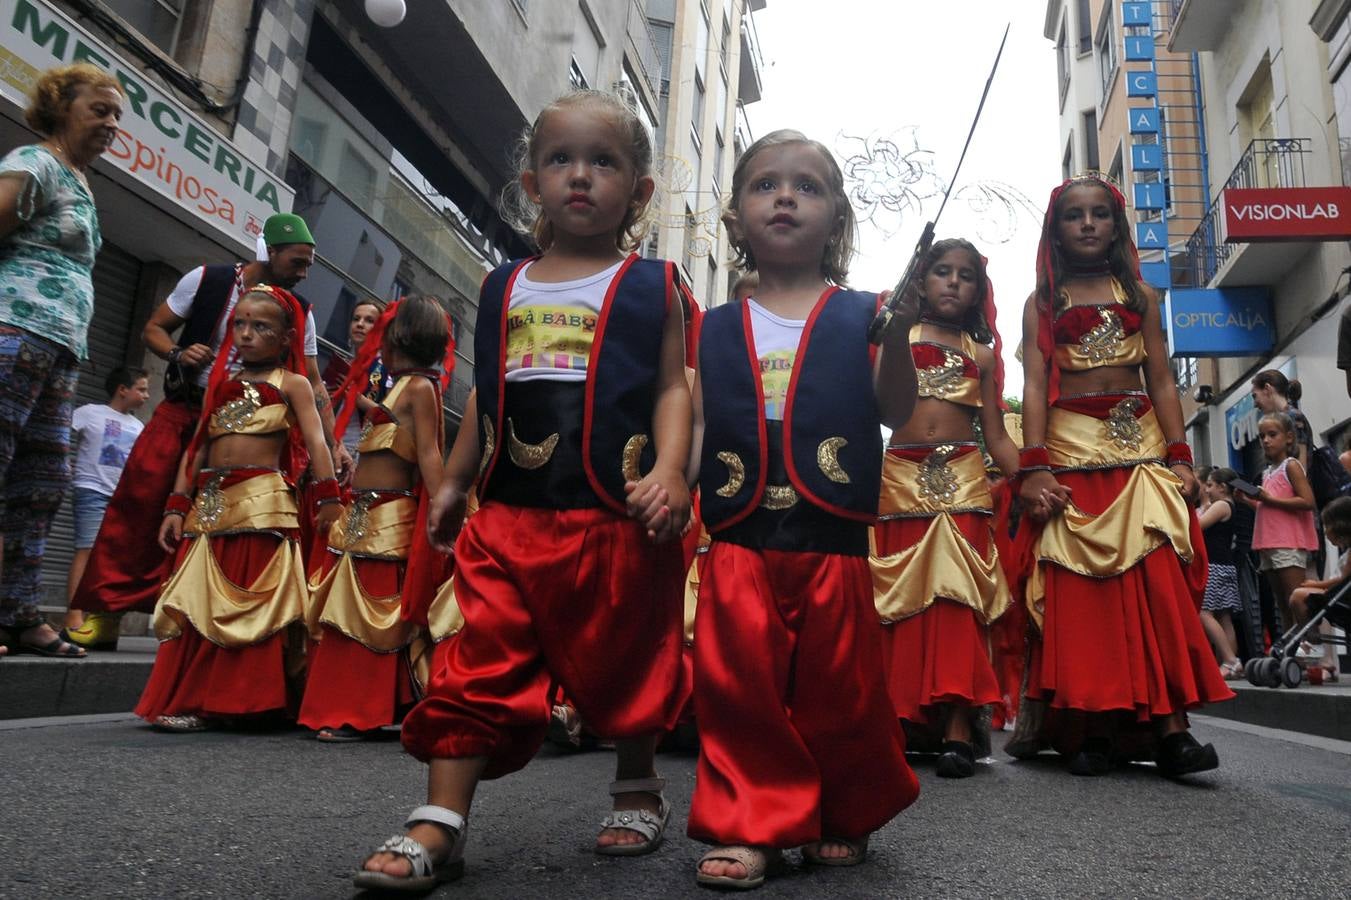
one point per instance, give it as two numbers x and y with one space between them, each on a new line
644 47
1267 163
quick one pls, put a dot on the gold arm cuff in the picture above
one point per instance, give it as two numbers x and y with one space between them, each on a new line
1149 512
227 614
943 564
1078 441
935 485
264 502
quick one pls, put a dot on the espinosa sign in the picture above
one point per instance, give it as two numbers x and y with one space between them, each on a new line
1287 214
161 143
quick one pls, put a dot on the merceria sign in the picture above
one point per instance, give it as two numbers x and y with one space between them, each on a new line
1287 214
161 143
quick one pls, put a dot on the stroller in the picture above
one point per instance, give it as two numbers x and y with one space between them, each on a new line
1280 666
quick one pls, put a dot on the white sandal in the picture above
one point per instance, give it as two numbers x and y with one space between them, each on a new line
759 862
426 874
652 826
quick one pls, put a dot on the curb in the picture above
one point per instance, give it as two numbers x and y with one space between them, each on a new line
102 682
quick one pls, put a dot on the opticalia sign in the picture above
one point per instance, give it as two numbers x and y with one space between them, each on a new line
161 143
1287 214
1224 322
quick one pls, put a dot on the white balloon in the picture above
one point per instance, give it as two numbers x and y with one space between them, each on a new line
385 13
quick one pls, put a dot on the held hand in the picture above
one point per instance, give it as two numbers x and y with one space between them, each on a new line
328 514
1043 495
196 356
1189 487
170 533
661 502
445 517
343 466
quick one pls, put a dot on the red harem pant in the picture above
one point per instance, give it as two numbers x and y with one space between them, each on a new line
1131 643
940 655
348 683
798 740
193 676
578 599
127 567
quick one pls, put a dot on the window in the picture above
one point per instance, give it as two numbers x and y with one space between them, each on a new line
697 117
1090 118
1062 61
1067 161
712 289
158 20
1108 60
1085 20
586 44
687 240
576 79
1114 172
701 43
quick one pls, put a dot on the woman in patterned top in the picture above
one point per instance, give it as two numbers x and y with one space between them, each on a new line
49 236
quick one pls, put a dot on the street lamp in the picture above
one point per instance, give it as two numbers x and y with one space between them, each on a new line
385 13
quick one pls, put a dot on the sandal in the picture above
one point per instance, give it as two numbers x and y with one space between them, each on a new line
56 647
1232 670
858 851
180 724
344 734
759 863
652 826
425 873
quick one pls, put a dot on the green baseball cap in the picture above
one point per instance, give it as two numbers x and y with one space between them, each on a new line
286 228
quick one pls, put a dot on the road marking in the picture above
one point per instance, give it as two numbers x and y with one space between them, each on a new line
1332 745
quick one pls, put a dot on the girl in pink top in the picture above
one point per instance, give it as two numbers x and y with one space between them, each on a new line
1284 532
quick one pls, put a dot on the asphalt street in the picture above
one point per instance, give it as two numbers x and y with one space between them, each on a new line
104 807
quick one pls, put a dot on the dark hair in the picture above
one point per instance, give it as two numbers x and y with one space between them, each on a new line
1289 388
1202 473
839 250
974 324
1337 517
1121 256
1223 475
123 376
56 88
419 331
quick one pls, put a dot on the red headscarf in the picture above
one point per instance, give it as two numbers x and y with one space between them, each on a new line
295 458
990 312
1046 271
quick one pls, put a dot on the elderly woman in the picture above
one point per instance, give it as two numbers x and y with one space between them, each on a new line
49 236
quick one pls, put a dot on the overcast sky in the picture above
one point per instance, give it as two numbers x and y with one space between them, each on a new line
912 71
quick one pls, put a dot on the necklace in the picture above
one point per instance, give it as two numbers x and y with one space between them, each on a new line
1089 269
941 323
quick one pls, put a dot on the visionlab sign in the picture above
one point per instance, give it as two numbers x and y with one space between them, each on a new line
161 143
1223 322
1287 214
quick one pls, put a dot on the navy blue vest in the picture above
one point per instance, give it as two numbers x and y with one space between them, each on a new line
621 373
830 414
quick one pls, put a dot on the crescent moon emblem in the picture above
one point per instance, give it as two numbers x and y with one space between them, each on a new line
529 456
828 460
633 451
489 445
736 474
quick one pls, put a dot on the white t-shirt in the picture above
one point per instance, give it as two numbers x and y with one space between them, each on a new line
550 325
776 340
104 436
180 304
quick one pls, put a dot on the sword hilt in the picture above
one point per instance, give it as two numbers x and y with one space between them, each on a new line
882 321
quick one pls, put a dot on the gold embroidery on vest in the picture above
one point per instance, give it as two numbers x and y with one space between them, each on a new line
778 496
828 460
944 379
633 451
210 502
937 482
1123 428
736 474
529 456
236 414
1103 341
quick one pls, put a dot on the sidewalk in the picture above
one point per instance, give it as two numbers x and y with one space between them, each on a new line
32 686
1324 710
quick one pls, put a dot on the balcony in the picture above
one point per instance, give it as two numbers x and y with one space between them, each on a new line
748 84
1199 24
1267 163
644 47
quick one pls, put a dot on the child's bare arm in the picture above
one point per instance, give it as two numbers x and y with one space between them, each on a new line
426 415
300 395
997 441
445 515
696 432
894 382
661 499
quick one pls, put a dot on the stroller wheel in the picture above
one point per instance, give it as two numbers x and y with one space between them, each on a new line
1252 671
1291 675
1271 672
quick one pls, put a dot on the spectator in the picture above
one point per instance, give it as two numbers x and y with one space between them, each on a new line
104 433
364 316
1272 392
49 236
1221 601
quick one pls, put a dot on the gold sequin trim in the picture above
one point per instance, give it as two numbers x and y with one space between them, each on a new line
736 474
1103 341
778 496
489 446
210 502
633 452
937 482
529 456
943 380
236 414
828 459
1123 428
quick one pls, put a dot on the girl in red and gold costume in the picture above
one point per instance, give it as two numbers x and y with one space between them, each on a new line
937 579
360 678
1114 574
229 617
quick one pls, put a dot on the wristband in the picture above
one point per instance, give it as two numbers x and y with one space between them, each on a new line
174 353
326 490
1034 458
1179 454
177 505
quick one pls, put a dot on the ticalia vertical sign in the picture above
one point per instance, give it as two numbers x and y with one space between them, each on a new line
1148 195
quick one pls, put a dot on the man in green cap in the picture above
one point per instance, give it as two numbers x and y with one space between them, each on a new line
126 568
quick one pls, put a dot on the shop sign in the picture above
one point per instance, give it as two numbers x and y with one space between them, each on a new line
1223 322
161 143
1287 214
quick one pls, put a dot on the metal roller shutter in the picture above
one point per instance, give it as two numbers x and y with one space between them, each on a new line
116 276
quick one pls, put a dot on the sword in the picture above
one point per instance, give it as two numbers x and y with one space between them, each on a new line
882 320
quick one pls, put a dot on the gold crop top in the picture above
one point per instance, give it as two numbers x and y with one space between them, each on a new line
1091 336
251 407
382 430
946 373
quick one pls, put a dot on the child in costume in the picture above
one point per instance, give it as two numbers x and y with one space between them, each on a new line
1114 576
360 678
799 745
229 617
937 578
569 574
